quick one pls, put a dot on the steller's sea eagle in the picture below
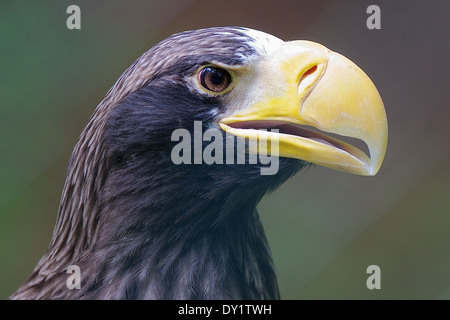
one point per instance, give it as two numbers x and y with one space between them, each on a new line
159 202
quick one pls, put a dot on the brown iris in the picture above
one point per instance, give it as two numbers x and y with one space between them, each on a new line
214 79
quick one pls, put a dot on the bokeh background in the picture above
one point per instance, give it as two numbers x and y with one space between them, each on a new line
324 227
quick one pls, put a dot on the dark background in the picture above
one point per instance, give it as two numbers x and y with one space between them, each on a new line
324 227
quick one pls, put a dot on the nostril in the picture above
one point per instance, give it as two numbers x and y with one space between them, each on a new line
306 80
309 72
307 75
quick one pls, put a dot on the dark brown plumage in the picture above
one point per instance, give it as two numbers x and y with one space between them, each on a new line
140 227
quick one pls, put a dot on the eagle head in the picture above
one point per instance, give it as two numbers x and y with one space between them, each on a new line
160 196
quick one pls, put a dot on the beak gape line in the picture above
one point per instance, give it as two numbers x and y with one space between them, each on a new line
192 150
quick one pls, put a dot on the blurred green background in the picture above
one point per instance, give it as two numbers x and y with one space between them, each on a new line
324 227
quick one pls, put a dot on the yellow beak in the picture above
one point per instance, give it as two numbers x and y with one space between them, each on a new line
305 84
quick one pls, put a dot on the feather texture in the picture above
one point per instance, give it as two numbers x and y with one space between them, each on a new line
141 227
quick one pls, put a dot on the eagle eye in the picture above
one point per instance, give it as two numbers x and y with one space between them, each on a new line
214 79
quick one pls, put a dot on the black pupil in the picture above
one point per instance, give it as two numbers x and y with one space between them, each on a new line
216 76
214 79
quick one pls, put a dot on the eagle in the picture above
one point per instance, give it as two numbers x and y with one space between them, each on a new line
160 196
